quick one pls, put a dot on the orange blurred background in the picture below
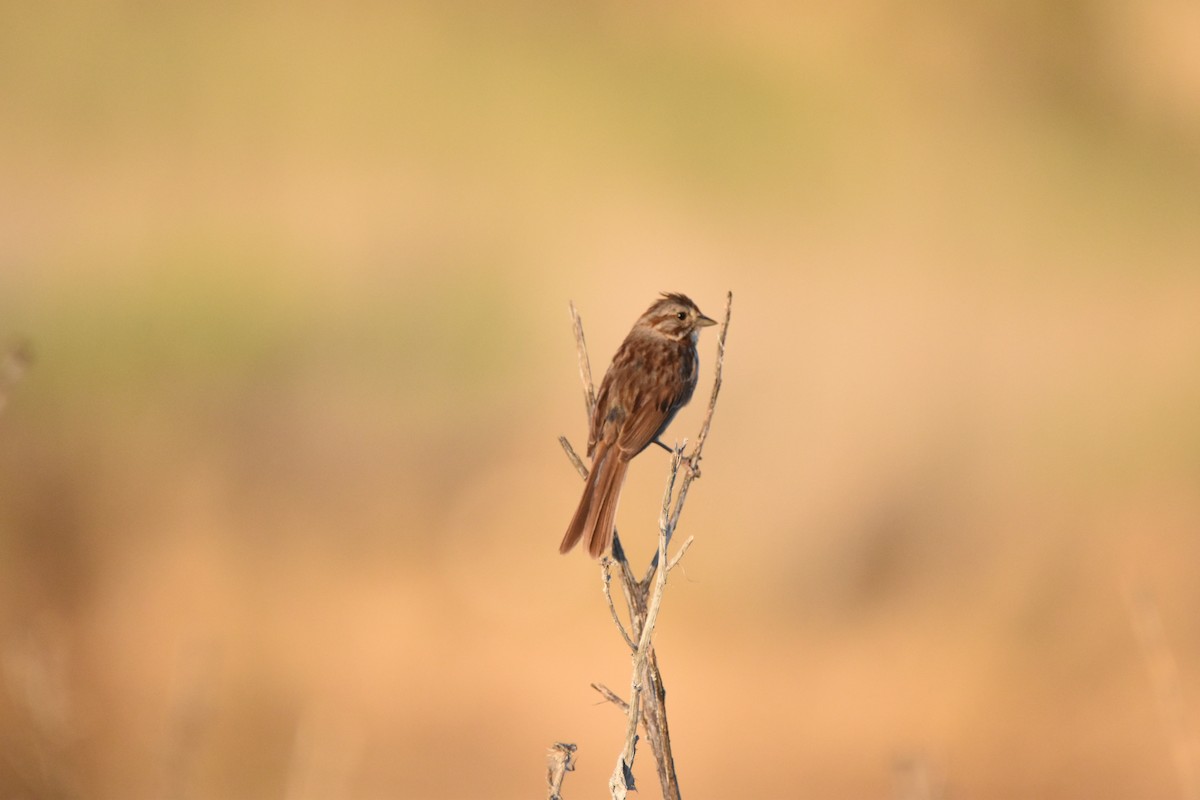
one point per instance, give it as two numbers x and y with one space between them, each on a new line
280 497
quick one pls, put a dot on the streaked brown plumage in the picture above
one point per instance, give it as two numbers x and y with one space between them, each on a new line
651 377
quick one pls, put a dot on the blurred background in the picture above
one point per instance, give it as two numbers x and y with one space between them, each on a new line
280 495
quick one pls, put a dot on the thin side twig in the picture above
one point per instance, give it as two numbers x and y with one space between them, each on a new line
683 548
576 461
654 720
611 696
605 569
585 366
694 458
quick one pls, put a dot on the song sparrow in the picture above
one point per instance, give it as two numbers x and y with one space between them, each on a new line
651 377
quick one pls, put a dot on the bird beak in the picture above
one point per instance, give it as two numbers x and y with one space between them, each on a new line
703 321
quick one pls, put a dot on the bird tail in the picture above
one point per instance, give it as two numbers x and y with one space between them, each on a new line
597 511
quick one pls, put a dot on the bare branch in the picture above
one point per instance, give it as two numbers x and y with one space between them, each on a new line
585 366
611 696
605 565
560 760
664 518
683 548
575 459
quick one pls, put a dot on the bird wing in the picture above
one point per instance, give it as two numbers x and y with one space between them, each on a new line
646 421
636 399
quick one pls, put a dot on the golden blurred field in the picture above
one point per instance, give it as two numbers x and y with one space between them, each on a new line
280 496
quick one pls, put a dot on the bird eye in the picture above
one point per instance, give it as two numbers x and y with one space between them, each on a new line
681 315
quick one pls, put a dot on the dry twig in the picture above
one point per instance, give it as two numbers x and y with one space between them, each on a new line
585 366
575 459
606 564
611 696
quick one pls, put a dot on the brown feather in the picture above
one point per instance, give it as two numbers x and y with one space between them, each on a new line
602 516
575 529
652 376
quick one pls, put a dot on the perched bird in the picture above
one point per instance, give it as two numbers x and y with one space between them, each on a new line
651 377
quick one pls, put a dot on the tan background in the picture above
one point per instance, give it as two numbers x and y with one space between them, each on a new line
280 498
